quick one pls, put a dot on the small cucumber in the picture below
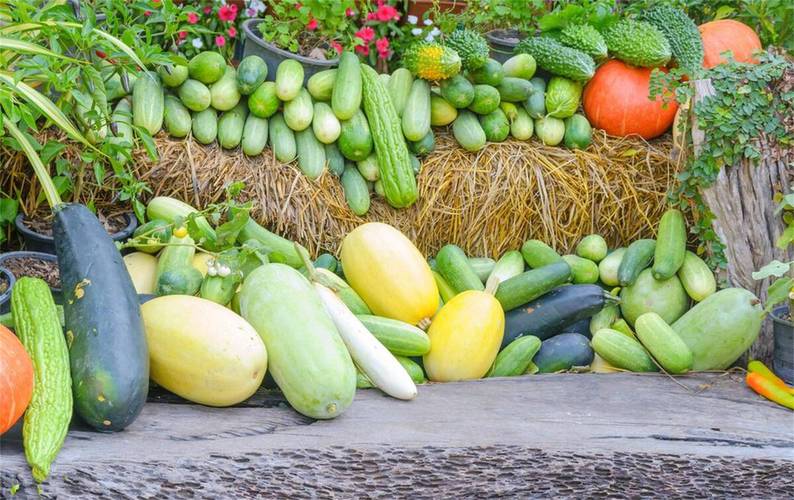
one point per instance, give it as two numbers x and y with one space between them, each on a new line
482 266
175 272
509 265
219 289
346 97
326 261
622 351
593 247
514 359
583 271
608 267
663 343
254 135
336 162
311 154
368 168
697 278
538 254
637 257
444 289
282 139
604 318
400 338
289 79
454 266
414 370
321 85
352 300
532 284
670 245
620 325
356 191
155 233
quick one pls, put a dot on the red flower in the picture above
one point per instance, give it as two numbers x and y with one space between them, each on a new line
371 16
147 13
382 44
208 9
362 49
192 18
336 46
366 34
232 32
298 5
387 13
220 40
227 13
101 54
156 1
312 25
350 12
182 35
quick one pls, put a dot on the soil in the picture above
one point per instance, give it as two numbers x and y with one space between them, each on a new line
3 284
35 268
41 222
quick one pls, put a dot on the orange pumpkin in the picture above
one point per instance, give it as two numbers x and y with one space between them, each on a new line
16 379
728 35
616 100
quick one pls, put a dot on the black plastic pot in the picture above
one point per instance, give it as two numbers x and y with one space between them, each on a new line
36 242
56 292
254 44
503 42
5 297
783 362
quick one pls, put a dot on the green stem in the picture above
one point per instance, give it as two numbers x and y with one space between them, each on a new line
43 174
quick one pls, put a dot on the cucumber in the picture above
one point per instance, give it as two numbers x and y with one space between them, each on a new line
592 247
219 289
379 189
206 67
583 271
325 124
637 257
444 289
482 267
514 89
398 337
468 132
254 135
336 162
205 126
355 141
491 73
441 112
326 261
696 277
457 91
416 115
349 296
424 145
522 127
414 370
175 272
171 209
282 139
306 356
514 359
176 117
368 168
670 245
38 326
195 95
531 284
311 154
399 88
486 99
622 351
321 85
563 352
416 165
453 265
663 343
224 95
148 103
298 112
251 72
509 265
356 191
346 98
608 267
538 254
536 102
289 79
264 102
276 245
362 381
621 326
604 318
520 66
230 127
555 312
156 233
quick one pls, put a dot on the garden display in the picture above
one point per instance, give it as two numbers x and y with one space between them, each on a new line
307 232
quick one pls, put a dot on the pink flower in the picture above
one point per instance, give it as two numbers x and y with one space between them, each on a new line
387 13
232 32
147 13
192 18
350 12
220 40
208 9
371 16
336 46
312 25
156 1
362 49
182 35
250 12
298 5
366 34
382 44
227 13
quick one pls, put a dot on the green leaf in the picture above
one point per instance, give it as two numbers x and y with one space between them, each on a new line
786 238
785 202
228 231
8 210
778 292
774 268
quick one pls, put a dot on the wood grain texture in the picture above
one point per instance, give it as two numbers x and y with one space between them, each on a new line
558 430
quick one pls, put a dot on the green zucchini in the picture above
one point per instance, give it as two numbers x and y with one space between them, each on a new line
696 277
663 343
444 288
622 351
355 141
311 154
346 98
356 191
514 359
509 265
282 139
532 284
538 254
416 115
482 266
583 271
175 272
254 135
608 267
670 249
321 85
414 370
637 257
399 338
48 415
456 269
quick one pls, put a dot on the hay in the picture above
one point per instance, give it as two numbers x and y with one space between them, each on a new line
486 202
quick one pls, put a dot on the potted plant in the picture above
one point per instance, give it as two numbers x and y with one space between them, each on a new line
36 230
506 22
7 281
780 296
418 8
33 264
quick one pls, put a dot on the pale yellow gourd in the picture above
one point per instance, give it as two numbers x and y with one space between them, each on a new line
142 268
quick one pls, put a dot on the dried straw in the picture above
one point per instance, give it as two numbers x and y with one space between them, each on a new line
486 202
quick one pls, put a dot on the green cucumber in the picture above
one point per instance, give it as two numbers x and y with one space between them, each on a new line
444 289
696 277
398 337
621 326
399 88
514 359
538 254
289 79
532 284
604 318
321 85
326 261
670 245
325 124
156 233
206 67
205 126
251 72
563 352
416 116
638 256
355 141
264 102
608 267
583 271
368 168
173 75
311 154
282 139
663 343
224 95
175 272
171 209
456 269
336 162
299 112
195 95
148 102
482 266
275 244
176 117
346 98
414 370
622 351
509 265
230 127
593 247
254 135
356 191
468 132
219 289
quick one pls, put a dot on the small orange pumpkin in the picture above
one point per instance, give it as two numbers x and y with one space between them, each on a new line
728 35
16 379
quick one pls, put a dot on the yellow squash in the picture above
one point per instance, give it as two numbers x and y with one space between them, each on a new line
202 351
465 337
142 268
389 273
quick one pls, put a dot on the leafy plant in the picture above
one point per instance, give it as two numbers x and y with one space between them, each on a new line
782 288
301 27
8 212
503 14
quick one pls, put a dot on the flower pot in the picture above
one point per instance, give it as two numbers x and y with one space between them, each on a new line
503 43
419 7
5 264
783 362
254 44
36 242
7 281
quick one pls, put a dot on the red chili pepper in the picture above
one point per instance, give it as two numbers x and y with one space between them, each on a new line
770 390
758 367
101 54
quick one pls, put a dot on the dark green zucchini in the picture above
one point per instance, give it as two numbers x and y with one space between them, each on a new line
104 331
563 352
531 284
555 311
327 261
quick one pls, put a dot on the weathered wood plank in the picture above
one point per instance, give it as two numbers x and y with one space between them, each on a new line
570 420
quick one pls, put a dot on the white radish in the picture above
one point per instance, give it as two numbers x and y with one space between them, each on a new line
369 354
